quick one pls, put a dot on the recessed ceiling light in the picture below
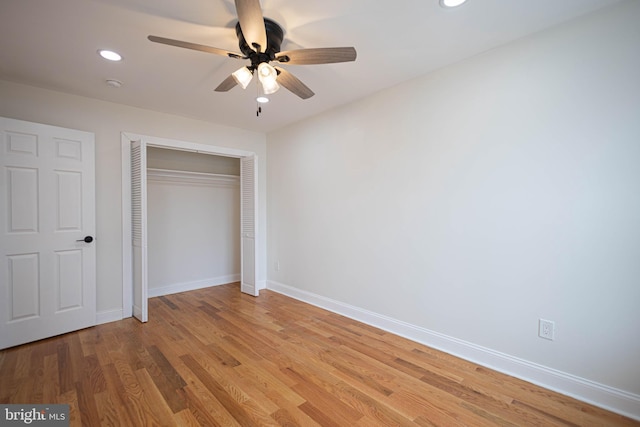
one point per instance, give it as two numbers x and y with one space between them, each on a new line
110 55
451 3
262 99
114 83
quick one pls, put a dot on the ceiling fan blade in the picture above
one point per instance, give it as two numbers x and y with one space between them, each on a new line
292 83
252 23
227 84
322 55
195 46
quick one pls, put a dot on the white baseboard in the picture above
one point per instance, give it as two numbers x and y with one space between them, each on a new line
108 316
137 311
609 398
248 289
192 286
254 290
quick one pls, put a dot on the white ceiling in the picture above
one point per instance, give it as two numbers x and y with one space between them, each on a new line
53 43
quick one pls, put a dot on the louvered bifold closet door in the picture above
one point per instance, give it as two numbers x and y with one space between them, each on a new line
139 228
249 224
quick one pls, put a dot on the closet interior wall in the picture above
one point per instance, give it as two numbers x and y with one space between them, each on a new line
193 220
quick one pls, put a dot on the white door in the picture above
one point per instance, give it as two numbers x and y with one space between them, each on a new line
249 224
139 228
47 223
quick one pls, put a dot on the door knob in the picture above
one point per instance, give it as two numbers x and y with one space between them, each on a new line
87 239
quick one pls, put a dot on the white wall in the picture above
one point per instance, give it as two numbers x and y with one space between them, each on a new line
194 232
193 221
107 120
479 198
162 158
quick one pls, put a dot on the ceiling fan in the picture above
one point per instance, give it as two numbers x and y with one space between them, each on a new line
259 41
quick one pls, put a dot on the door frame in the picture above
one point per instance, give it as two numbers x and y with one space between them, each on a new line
150 141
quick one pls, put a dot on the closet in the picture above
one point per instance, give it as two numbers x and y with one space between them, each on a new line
181 171
193 220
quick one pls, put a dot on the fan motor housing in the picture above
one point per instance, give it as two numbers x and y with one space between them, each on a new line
275 35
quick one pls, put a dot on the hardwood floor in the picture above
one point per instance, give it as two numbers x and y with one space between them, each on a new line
216 357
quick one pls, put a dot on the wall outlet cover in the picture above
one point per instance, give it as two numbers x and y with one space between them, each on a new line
546 329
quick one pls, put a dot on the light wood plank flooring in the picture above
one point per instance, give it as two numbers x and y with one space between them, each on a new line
216 357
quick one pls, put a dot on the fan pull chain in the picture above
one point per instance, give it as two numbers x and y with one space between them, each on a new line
258 106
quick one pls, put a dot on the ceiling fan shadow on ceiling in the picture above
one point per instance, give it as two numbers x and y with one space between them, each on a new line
259 40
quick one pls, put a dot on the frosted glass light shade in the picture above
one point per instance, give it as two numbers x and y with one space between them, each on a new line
243 77
267 76
270 87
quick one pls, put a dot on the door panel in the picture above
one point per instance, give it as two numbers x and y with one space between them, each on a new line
22 207
68 203
139 229
248 224
47 206
24 272
69 279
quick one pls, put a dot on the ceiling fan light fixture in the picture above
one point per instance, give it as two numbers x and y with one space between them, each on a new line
266 71
267 76
259 40
451 3
269 87
262 99
243 77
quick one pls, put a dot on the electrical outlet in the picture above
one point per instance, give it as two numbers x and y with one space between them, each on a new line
546 329
277 265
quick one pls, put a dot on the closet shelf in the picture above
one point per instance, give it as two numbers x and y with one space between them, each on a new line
170 176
